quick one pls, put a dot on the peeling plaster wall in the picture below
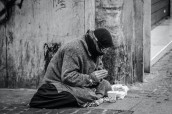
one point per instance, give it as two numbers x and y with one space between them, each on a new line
125 21
2 56
147 35
29 27
114 15
31 23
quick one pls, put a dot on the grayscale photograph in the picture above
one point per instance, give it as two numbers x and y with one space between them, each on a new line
85 57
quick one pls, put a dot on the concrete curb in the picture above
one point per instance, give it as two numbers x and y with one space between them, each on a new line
161 53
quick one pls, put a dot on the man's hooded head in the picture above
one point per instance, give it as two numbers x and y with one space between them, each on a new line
97 40
104 37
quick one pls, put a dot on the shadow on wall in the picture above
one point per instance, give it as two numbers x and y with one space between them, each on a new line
49 50
6 9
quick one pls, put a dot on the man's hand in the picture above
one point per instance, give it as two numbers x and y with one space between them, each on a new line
100 74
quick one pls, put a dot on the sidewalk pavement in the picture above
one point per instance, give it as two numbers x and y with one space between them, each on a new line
153 96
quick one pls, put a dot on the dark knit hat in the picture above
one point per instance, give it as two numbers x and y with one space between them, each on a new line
104 37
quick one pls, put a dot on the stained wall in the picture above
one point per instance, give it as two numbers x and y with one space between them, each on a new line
124 18
31 24
26 25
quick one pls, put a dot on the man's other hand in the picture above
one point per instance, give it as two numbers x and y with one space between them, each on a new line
100 74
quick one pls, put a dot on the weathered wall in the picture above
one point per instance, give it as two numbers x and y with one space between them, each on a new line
112 14
30 26
147 34
3 55
124 18
31 23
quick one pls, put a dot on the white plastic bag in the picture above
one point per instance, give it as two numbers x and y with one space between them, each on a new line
120 90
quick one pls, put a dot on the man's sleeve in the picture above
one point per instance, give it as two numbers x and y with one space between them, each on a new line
71 71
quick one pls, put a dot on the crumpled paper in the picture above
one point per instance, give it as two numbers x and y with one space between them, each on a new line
120 90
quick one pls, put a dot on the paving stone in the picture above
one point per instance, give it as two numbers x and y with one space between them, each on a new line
21 109
83 111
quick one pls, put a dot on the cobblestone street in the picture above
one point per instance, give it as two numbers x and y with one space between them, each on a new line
153 96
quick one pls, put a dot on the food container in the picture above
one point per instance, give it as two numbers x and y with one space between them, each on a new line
120 90
112 96
120 94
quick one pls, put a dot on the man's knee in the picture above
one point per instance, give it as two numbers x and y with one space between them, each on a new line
106 84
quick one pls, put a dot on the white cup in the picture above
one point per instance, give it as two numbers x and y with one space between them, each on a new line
112 96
